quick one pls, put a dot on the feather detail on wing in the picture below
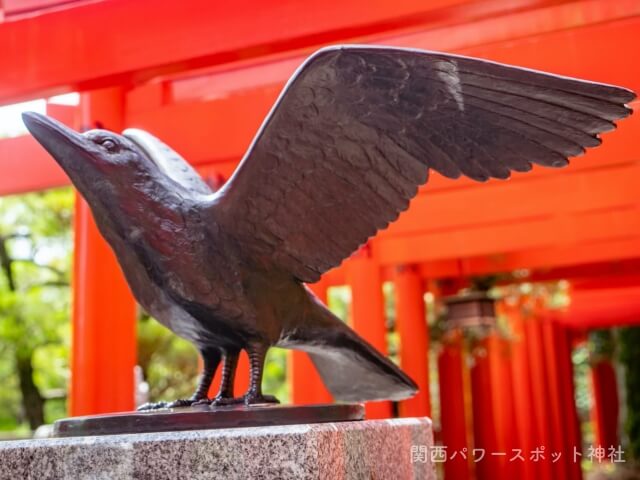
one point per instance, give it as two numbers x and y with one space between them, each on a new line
356 130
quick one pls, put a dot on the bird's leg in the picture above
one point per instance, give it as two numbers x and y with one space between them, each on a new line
225 394
257 353
211 360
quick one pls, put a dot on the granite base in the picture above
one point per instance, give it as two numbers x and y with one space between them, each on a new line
379 449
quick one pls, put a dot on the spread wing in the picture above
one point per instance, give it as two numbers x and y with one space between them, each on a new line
357 128
168 160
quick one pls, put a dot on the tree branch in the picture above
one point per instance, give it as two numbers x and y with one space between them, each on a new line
61 275
6 264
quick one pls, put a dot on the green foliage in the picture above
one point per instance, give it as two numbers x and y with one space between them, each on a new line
169 363
583 394
275 375
628 341
601 345
339 300
393 336
9 393
35 236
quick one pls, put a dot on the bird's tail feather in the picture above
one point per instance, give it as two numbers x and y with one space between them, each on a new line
351 369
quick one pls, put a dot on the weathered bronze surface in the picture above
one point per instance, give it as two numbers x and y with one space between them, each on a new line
350 140
205 417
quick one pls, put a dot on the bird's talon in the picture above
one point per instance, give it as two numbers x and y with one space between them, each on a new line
255 399
220 401
182 402
152 406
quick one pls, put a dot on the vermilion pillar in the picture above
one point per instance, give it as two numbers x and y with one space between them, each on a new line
561 393
453 407
485 427
606 404
367 312
523 399
104 312
304 381
538 370
555 392
500 358
573 438
411 323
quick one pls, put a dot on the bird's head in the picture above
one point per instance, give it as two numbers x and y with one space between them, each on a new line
100 163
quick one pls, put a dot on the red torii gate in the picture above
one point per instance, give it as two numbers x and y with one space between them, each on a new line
203 77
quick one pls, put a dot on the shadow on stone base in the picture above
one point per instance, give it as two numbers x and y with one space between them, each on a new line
205 417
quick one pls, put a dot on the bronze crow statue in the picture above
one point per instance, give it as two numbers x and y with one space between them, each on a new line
345 148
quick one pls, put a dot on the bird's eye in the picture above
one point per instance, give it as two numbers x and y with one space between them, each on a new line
109 145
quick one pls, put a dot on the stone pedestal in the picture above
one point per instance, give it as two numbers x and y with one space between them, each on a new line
380 449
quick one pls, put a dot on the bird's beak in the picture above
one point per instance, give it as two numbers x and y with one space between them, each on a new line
50 132
63 143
